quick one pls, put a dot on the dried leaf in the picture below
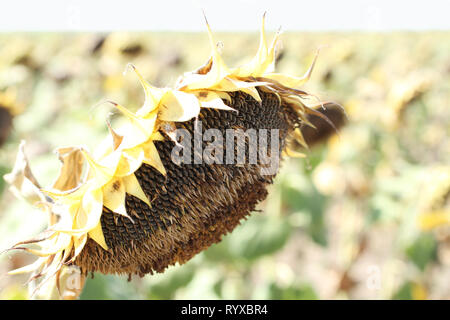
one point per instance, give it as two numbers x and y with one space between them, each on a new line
22 181
72 168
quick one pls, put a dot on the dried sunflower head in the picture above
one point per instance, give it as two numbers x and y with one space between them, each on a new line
135 210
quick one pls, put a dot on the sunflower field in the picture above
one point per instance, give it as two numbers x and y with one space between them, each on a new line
366 215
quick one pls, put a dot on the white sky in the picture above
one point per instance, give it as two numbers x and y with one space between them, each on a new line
224 15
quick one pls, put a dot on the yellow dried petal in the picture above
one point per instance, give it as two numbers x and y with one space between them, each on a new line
131 161
145 125
114 196
78 244
210 99
92 204
151 157
269 65
224 96
85 215
102 172
21 180
116 138
215 74
294 154
178 106
29 268
298 136
68 196
133 188
71 170
152 94
260 57
253 93
291 81
157 136
96 234
52 246
230 84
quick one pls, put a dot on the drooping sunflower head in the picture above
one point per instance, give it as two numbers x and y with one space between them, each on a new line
135 210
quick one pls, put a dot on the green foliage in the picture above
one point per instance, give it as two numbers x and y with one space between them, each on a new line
3 170
404 293
304 292
258 236
105 287
310 203
422 251
174 278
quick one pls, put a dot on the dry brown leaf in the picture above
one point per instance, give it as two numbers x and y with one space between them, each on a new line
72 168
22 181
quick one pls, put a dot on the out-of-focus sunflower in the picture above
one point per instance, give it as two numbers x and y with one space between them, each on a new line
9 108
435 205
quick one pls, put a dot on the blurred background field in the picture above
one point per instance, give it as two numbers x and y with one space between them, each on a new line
365 216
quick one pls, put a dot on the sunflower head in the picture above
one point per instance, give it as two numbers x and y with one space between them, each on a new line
134 210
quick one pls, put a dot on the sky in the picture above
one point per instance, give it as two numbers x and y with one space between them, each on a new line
224 15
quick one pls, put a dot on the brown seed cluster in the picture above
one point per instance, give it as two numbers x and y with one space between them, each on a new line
195 204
